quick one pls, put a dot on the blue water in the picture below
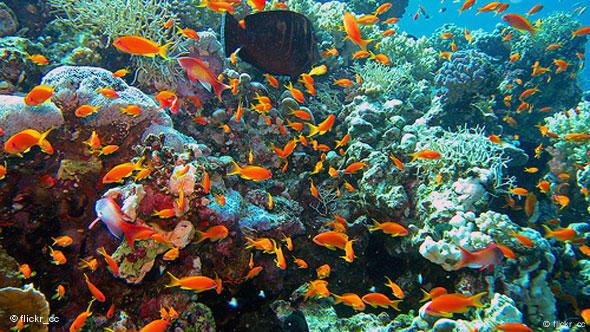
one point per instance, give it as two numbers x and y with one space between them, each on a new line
487 21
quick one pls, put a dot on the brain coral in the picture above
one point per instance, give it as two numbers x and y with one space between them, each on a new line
467 74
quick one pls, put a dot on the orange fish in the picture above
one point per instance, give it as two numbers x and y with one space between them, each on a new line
513 327
108 150
111 263
317 289
136 45
323 271
329 52
467 34
188 33
38 59
280 261
164 213
313 189
391 20
562 200
446 35
585 250
25 271
395 289
62 241
487 257
383 8
355 167
577 137
319 70
380 300
263 244
254 173
288 241
38 95
425 154
60 292
121 73
520 23
218 6
300 263
507 252
121 171
108 93
287 150
389 227
323 127
96 293
254 271
301 114
58 257
343 82
353 33
85 110
80 320
514 57
348 252
351 300
296 93
197 70
560 234
585 314
158 325
581 32
331 240
489 7
273 81
447 304
466 5
495 139
213 233
197 284
518 191
131 110
535 9
552 47
524 240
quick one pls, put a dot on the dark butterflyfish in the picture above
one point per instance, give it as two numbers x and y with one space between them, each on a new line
276 42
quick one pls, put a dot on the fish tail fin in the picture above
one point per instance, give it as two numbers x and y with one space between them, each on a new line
232 34
375 226
236 169
364 42
202 237
138 165
548 231
313 129
426 295
466 257
218 88
173 280
394 305
476 299
162 51
44 144
337 298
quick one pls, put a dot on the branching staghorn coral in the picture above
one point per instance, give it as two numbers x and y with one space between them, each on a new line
118 18
463 150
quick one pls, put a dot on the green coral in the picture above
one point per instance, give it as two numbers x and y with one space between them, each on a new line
568 122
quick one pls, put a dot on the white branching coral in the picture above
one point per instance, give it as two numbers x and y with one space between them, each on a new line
572 121
465 149
116 18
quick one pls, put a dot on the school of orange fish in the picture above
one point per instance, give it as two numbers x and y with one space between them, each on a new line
442 303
